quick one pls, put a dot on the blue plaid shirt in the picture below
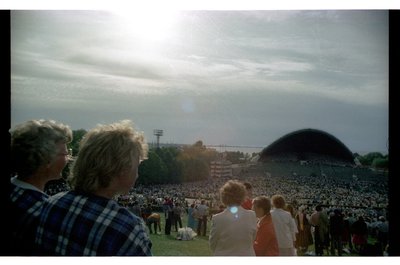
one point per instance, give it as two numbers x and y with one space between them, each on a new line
26 203
77 224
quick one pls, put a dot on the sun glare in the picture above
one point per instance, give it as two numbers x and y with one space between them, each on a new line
148 24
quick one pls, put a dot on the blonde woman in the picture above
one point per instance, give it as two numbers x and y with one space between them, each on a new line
285 226
87 221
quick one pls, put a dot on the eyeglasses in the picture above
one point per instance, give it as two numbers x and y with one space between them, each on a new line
68 155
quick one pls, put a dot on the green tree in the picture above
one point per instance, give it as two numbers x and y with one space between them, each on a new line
236 157
381 162
195 160
367 159
77 137
153 170
195 169
169 156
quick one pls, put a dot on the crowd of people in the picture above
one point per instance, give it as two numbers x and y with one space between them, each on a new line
304 196
257 212
350 198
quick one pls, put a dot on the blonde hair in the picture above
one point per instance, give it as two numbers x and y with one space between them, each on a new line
232 192
278 201
104 153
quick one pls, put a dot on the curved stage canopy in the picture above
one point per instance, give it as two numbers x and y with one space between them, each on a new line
307 144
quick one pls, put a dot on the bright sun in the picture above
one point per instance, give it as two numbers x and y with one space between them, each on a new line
148 24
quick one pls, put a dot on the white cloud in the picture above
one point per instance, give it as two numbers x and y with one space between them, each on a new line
217 70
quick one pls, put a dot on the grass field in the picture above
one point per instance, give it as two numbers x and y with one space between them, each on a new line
168 245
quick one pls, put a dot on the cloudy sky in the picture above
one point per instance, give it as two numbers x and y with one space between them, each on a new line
224 77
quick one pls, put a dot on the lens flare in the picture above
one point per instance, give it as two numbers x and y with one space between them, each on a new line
233 209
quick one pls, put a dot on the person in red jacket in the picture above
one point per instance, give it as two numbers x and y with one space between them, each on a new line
247 204
266 243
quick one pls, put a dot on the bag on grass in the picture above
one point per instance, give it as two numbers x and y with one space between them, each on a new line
186 233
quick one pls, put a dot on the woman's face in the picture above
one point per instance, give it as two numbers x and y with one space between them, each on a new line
59 162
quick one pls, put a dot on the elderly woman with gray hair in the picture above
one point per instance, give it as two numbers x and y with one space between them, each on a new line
38 154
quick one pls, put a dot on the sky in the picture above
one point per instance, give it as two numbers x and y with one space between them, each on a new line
226 77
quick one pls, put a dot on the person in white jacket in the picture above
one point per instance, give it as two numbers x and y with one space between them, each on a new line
233 231
285 227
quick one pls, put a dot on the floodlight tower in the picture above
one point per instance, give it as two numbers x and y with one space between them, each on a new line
158 133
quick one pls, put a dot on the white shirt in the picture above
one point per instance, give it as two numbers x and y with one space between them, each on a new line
24 185
285 228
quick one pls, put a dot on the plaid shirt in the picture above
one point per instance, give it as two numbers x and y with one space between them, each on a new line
25 205
77 224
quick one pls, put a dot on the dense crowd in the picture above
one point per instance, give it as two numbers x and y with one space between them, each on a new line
355 196
296 204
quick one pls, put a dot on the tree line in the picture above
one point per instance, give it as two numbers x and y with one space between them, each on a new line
374 159
173 164
192 162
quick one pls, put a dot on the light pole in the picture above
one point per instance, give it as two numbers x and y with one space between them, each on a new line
158 133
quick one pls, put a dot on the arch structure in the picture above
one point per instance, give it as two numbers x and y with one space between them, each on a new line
308 145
